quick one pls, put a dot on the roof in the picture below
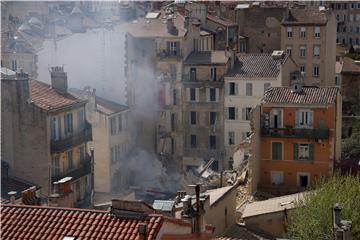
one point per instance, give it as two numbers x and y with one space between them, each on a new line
109 107
207 57
307 95
30 222
217 193
7 72
164 205
350 66
47 98
308 15
256 65
272 205
9 184
241 232
220 20
157 27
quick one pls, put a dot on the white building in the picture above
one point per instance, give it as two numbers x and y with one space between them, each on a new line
245 86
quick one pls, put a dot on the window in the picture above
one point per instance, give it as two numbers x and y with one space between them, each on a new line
289 50
13 65
248 89
193 143
172 145
303 151
212 142
70 159
302 69
232 113
192 74
266 86
82 153
174 48
173 122
302 32
303 179
173 71
277 177
55 128
113 154
232 88
193 118
352 5
56 165
317 32
289 32
276 150
316 71
212 94
120 125
351 17
68 123
174 97
81 119
276 118
316 51
246 113
231 138
112 125
212 118
242 46
304 118
302 51
192 94
213 74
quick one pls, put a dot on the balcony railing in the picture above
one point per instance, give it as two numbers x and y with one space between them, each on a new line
75 139
169 54
188 78
83 170
295 132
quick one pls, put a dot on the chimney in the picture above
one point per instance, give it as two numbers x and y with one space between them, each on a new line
23 79
12 195
28 196
59 79
62 195
142 228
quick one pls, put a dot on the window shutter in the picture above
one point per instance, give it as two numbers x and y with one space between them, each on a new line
297 119
274 151
168 47
280 119
188 94
243 111
197 94
216 94
311 151
65 125
227 88
236 113
207 94
236 88
227 113
296 151
311 118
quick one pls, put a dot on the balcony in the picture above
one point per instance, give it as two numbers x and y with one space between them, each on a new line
75 139
295 133
83 170
166 54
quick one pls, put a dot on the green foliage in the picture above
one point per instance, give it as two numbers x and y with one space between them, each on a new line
351 147
313 217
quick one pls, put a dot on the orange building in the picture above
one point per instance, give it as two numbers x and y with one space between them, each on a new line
300 136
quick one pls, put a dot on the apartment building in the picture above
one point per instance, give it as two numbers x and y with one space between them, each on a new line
202 109
45 134
348 21
300 137
112 140
245 85
309 36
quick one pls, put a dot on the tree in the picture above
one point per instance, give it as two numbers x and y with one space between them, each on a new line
312 219
350 162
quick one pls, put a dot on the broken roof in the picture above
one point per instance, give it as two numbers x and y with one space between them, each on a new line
35 222
307 95
47 98
109 107
256 65
207 57
308 16
272 205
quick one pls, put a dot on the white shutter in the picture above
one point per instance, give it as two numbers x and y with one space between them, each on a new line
243 111
207 94
197 94
227 88
217 94
236 113
311 118
280 119
227 113
188 94
236 89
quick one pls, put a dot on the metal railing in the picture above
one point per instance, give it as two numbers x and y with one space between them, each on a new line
83 170
295 132
169 54
83 136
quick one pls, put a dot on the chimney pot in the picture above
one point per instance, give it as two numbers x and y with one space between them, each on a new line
12 195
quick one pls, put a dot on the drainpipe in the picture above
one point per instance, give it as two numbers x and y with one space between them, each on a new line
92 177
197 192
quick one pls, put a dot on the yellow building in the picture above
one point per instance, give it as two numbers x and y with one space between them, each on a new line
45 134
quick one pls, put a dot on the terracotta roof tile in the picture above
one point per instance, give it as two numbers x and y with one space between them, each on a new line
38 222
307 95
48 98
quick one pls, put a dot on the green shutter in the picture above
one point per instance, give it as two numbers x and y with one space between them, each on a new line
296 151
311 150
276 151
